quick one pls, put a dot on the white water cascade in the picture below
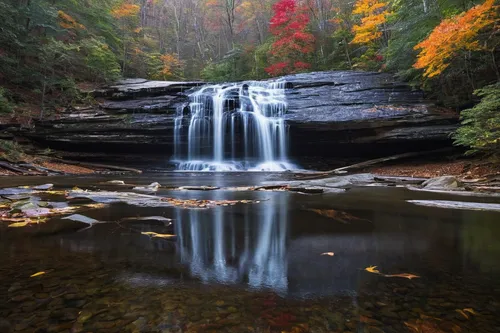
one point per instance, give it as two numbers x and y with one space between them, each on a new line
234 127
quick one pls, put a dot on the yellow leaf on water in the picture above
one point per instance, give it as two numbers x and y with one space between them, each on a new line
462 313
54 192
372 269
471 311
424 317
331 254
156 235
403 275
38 274
18 225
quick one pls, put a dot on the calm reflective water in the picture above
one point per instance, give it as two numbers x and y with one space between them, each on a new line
255 267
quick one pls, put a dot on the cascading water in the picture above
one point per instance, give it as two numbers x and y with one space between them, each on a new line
234 127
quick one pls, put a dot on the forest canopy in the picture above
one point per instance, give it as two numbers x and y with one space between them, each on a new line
448 47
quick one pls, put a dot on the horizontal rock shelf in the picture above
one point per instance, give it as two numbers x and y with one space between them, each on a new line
330 114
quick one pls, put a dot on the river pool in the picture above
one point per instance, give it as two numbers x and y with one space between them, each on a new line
278 262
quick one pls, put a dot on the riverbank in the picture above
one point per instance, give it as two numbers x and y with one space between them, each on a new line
25 160
463 169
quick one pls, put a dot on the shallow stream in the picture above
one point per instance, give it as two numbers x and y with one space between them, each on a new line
286 262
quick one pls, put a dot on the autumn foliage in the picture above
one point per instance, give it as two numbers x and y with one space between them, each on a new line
68 22
126 10
453 35
373 13
293 42
171 65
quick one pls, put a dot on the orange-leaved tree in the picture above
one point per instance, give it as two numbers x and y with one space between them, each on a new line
125 10
455 34
68 22
172 66
127 14
373 14
293 41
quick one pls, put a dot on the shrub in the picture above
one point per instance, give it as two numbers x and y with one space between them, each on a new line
480 128
5 104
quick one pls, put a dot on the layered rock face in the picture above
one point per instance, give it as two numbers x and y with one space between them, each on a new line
330 114
359 114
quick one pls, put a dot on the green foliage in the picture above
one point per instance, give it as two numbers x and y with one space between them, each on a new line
5 104
410 25
47 46
370 60
11 151
217 72
236 65
101 61
481 124
340 55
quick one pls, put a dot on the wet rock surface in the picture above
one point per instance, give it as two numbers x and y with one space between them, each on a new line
442 183
331 114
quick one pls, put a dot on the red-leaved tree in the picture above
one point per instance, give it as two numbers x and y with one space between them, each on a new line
293 42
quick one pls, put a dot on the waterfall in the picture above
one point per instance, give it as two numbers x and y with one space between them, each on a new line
237 126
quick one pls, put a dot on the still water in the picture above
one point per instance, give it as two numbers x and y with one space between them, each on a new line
256 267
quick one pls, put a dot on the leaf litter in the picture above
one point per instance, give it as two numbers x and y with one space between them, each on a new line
146 200
336 215
374 270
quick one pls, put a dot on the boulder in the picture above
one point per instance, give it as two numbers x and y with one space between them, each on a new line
442 183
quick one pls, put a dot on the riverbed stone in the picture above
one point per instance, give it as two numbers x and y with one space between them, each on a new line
441 183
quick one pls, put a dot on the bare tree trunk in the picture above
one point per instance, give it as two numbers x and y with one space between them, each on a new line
495 64
347 52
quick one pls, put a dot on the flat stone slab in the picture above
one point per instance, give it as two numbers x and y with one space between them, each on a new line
457 205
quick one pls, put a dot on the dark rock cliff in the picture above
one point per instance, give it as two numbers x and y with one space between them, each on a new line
331 114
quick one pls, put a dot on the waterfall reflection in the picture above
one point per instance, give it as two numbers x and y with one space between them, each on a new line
234 248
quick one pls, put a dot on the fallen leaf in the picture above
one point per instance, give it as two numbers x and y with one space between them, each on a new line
471 311
372 269
38 274
18 224
462 313
425 317
336 215
403 275
156 235
331 254
54 192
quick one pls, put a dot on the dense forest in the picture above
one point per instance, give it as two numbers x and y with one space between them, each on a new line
449 48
